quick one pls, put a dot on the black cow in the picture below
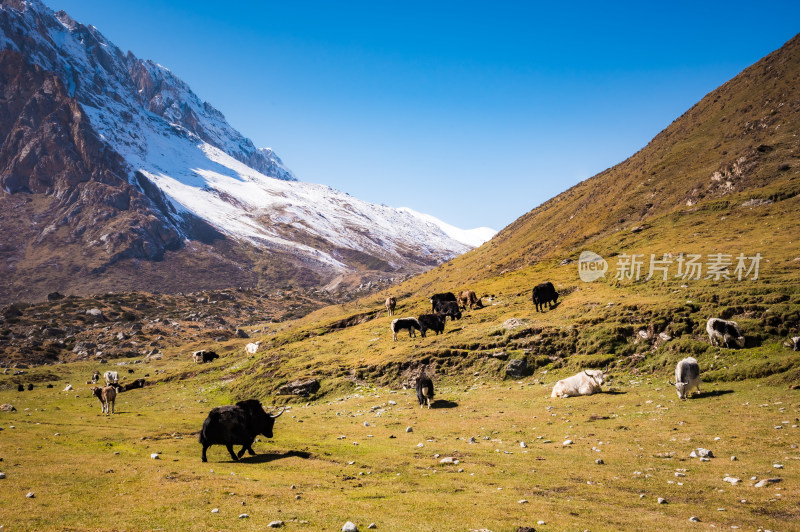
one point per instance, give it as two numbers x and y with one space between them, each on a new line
133 385
20 388
446 296
434 322
544 293
448 308
399 324
204 355
237 424
424 389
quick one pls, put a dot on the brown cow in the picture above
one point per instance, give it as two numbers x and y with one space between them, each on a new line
468 298
391 302
107 396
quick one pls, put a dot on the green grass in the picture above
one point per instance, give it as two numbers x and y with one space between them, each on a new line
97 472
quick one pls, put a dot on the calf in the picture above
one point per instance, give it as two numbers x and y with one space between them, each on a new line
399 324
687 377
252 348
445 296
95 377
391 303
107 396
544 293
467 298
448 308
424 389
111 376
434 322
237 424
204 355
724 332
586 382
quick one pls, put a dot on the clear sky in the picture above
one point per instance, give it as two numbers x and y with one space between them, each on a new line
474 112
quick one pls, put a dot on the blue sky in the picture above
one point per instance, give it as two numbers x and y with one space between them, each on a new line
473 112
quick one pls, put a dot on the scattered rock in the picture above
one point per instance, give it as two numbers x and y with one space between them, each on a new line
2 475
732 480
513 323
599 461
240 333
155 456
694 519
372 526
243 516
702 453
349 527
275 524
567 442
522 444
777 466
215 511
409 429
662 500
522 501
30 495
766 482
5 407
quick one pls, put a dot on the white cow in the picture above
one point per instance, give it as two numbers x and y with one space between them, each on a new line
252 348
687 377
111 376
586 382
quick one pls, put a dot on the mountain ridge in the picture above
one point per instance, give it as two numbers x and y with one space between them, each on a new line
200 186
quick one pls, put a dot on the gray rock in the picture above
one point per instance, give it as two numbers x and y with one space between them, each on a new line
30 495
275 524
694 519
766 482
349 527
516 369
298 387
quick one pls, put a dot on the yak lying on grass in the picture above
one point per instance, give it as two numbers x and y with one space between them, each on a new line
237 424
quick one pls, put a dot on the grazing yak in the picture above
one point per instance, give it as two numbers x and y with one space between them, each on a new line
111 376
724 332
204 355
133 385
252 348
237 424
409 323
424 389
687 377
544 293
391 303
434 322
586 382
467 298
446 296
448 308
107 396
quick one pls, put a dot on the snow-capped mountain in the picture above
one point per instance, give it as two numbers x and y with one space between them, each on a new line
191 184
470 237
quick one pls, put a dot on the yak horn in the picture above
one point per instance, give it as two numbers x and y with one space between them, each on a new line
279 414
670 382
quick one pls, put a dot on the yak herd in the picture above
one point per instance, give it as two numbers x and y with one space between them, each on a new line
241 423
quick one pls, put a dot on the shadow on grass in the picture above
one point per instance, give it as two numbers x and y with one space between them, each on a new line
715 393
269 457
614 392
443 403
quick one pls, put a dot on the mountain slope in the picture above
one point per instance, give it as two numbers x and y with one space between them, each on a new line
208 195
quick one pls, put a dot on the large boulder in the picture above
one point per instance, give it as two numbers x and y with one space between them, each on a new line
298 387
516 369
